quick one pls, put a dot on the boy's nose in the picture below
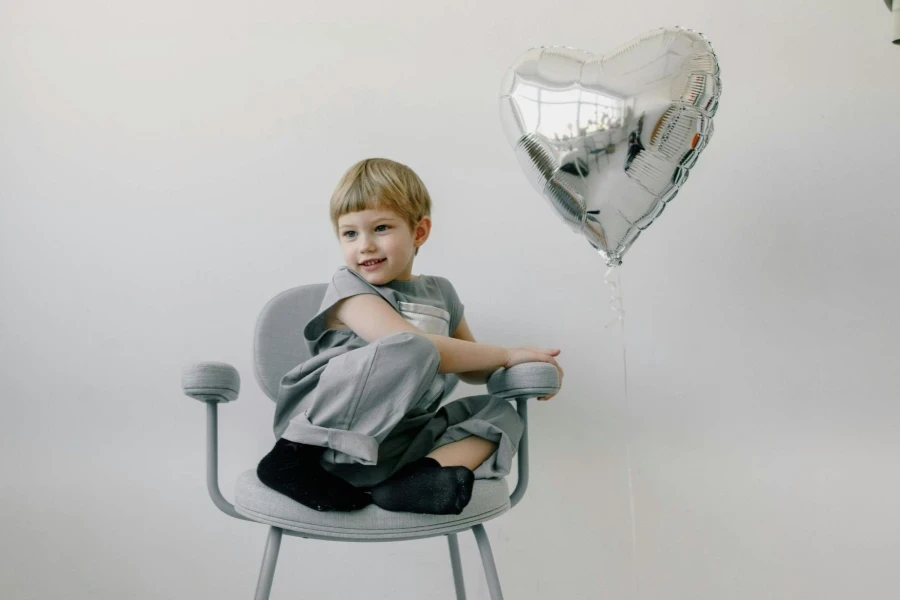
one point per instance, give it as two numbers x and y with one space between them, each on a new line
367 243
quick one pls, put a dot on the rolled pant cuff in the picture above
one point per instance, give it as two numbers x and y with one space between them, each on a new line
498 464
350 447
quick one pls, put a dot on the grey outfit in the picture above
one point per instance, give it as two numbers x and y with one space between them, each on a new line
376 407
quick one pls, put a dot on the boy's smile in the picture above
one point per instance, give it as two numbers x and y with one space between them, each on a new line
371 265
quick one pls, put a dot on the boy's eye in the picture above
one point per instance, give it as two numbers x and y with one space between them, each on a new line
349 231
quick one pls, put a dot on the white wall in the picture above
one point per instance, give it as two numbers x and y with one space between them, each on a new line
165 170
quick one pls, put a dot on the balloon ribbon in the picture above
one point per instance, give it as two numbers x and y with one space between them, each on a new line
615 305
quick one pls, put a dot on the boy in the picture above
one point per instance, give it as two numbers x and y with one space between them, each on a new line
360 422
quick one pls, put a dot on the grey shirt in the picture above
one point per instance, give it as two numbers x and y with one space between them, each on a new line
430 303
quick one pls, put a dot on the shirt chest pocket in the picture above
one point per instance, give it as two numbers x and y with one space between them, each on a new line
429 319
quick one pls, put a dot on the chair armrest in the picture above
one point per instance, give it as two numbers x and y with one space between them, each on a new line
526 380
211 382
521 382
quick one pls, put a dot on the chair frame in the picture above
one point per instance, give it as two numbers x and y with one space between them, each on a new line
273 540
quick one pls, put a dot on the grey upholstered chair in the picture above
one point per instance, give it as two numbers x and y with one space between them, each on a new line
278 347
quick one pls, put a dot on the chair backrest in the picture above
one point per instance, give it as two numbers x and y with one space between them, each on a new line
278 344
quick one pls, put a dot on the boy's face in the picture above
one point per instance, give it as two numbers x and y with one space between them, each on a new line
376 234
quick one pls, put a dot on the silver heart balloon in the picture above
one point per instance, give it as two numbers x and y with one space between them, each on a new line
608 140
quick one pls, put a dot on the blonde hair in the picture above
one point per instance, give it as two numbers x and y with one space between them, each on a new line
384 184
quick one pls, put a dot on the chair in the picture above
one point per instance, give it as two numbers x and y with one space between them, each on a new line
278 347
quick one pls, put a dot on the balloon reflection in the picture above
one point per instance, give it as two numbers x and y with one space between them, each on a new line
608 140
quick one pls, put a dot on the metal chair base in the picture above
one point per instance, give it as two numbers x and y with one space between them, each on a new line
273 545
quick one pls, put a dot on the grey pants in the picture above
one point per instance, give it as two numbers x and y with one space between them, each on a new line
377 408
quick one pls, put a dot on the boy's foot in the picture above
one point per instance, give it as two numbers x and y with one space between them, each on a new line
293 469
424 486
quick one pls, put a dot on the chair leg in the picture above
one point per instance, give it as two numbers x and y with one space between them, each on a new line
457 567
487 559
267 571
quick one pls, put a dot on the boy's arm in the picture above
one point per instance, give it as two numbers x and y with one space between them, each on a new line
475 377
372 318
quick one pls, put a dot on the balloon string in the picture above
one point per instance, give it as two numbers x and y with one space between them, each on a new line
616 306
615 297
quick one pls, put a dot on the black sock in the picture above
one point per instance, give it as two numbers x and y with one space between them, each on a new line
424 486
293 469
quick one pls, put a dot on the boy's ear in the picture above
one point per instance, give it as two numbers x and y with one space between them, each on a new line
422 231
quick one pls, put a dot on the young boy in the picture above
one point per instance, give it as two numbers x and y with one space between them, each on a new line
361 422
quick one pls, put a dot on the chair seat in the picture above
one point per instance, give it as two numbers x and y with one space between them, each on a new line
256 501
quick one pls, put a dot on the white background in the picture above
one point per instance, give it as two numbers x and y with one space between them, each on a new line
165 170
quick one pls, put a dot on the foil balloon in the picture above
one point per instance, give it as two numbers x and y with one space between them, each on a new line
609 140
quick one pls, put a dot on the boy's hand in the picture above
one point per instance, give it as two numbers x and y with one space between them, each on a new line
533 354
